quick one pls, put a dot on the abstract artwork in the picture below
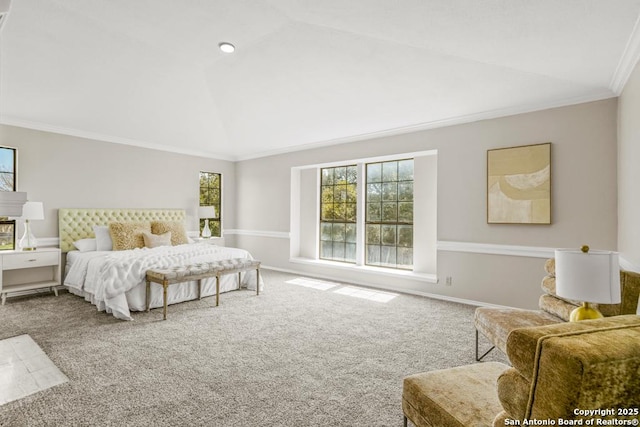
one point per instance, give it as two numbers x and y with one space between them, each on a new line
519 185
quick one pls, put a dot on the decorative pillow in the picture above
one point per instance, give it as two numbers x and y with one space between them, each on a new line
128 235
550 267
178 233
86 245
548 285
103 238
155 240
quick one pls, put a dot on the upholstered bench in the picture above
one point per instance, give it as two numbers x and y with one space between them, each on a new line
187 273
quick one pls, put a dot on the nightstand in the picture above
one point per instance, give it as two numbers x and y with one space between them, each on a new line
219 241
28 270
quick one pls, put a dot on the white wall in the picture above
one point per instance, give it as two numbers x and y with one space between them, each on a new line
629 172
64 171
584 200
69 172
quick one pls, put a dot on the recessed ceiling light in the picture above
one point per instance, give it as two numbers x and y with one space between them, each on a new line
226 47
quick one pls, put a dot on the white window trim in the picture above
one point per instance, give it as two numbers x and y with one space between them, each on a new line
295 220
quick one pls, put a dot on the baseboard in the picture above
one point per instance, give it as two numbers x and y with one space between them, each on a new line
386 288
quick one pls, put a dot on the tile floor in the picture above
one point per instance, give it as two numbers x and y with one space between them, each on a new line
25 369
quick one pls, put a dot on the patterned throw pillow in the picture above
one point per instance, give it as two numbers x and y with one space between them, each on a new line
178 233
128 235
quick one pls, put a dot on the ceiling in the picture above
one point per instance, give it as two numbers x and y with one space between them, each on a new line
305 73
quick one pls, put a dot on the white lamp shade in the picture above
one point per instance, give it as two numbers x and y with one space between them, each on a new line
33 211
592 276
206 212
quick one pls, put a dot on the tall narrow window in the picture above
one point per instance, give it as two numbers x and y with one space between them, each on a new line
210 195
338 204
389 214
7 183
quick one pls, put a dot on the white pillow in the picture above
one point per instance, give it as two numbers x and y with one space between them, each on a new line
103 238
155 240
85 245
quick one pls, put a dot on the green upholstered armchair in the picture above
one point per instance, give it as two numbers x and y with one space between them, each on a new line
587 370
496 323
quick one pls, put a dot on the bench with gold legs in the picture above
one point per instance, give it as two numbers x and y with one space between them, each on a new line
197 272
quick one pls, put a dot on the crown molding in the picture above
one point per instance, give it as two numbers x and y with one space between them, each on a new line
628 61
458 120
11 121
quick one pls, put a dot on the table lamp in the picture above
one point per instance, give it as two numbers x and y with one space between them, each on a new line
588 276
31 211
206 212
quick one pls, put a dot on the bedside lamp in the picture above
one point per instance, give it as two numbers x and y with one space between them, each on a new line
589 276
206 212
31 211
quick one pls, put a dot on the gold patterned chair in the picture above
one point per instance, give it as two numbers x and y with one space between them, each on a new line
560 371
496 323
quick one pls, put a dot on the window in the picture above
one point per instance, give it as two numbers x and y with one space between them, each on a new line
389 214
338 205
7 183
210 195
7 169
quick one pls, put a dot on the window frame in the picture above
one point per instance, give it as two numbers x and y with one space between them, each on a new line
4 221
215 223
337 221
361 220
381 222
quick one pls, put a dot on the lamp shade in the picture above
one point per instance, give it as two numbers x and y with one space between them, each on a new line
206 212
33 211
592 276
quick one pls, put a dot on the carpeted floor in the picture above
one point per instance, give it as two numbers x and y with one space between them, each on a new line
293 356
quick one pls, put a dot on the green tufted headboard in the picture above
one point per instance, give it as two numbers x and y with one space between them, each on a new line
75 224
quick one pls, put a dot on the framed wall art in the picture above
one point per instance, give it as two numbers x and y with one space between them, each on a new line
519 185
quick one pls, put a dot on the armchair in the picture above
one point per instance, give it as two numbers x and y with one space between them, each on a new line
496 323
560 372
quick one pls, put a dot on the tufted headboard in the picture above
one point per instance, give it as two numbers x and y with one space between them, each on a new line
75 224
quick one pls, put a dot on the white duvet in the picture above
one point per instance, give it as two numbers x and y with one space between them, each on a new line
115 281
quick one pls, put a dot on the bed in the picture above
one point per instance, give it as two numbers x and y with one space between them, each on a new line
113 277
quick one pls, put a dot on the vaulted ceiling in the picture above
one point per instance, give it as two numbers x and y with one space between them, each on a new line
305 73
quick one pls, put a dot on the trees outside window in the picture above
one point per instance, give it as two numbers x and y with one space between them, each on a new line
210 195
388 214
7 183
338 206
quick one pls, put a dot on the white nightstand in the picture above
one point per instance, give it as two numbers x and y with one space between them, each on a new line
219 241
28 270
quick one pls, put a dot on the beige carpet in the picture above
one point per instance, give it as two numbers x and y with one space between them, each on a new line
293 356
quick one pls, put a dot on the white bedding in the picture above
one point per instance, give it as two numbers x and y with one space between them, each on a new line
114 281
